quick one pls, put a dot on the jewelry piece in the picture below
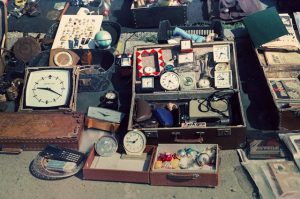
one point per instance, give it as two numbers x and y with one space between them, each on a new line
175 163
180 153
184 162
171 106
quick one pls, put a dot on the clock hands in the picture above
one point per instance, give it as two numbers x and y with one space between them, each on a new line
104 115
133 141
48 89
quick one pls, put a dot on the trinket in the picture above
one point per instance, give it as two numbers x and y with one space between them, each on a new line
184 162
203 159
175 163
180 153
158 164
12 93
166 165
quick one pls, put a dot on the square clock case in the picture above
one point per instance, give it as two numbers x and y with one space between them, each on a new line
49 88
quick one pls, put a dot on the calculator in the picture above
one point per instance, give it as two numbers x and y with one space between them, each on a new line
62 154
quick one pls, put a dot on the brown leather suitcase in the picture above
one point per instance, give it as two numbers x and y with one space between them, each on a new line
94 169
33 131
228 136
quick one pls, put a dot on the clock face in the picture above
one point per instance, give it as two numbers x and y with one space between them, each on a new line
187 80
222 67
110 95
204 83
221 53
147 82
184 58
149 69
48 88
186 45
63 59
223 79
169 81
105 114
134 142
106 146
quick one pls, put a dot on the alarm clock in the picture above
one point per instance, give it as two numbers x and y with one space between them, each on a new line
170 81
110 100
106 146
187 80
134 142
221 53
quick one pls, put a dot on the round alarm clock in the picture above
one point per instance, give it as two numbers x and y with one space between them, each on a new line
134 142
106 146
110 100
170 81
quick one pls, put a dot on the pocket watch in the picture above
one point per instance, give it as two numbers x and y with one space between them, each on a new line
149 70
106 146
221 53
134 142
49 88
169 81
187 80
222 67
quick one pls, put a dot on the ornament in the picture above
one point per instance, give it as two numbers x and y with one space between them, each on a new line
158 164
103 39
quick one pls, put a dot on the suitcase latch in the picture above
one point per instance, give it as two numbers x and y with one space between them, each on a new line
223 132
151 134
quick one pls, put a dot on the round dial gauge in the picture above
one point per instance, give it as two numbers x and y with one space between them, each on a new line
106 146
110 95
169 81
48 88
204 83
63 59
134 142
222 67
149 69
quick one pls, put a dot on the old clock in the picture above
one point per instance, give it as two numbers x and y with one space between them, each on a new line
134 142
221 53
110 100
49 88
106 146
170 81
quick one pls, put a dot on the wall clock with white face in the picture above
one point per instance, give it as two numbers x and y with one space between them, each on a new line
49 88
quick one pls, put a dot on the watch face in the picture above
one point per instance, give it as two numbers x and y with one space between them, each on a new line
187 80
48 88
204 83
185 58
134 142
169 81
106 146
147 82
110 95
221 53
63 59
223 79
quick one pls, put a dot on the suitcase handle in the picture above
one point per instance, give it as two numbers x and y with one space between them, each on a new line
180 140
185 176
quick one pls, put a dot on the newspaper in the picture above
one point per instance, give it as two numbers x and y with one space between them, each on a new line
286 40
